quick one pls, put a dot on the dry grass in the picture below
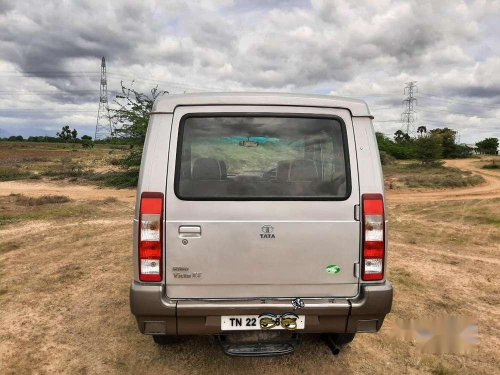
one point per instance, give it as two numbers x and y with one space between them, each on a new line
56 161
23 200
65 300
64 295
409 174
18 208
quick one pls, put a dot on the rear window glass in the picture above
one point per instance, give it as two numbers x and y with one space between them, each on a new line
244 157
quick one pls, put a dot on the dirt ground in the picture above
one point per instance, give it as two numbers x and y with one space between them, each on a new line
64 289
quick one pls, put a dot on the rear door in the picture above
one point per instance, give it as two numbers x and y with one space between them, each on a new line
261 204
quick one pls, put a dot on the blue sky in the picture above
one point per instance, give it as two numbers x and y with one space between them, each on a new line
50 56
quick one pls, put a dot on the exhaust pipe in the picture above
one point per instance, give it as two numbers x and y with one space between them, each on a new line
331 344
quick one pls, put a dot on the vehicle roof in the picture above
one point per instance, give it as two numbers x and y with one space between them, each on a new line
167 103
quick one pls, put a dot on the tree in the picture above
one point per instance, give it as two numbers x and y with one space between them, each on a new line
400 136
131 119
488 146
67 135
16 138
428 148
421 130
87 141
400 150
448 137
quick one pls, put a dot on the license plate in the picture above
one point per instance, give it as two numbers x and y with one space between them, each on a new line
288 321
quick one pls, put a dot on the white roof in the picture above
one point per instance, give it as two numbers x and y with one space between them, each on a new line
167 103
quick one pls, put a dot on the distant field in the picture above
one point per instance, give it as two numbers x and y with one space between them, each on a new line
70 162
56 161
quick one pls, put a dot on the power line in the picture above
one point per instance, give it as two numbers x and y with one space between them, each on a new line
457 113
458 101
28 110
171 83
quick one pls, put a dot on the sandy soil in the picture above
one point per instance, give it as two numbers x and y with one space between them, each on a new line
64 291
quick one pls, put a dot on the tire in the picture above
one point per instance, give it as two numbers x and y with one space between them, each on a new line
164 339
342 339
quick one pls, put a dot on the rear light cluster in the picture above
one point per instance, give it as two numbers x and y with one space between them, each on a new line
373 237
150 237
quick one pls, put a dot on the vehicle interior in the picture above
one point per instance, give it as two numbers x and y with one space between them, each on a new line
233 157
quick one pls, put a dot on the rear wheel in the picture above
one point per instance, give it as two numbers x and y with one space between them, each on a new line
342 339
164 339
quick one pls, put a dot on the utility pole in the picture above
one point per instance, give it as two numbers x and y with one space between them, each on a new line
103 127
409 116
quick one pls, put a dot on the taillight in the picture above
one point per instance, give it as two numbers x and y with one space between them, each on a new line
373 237
150 237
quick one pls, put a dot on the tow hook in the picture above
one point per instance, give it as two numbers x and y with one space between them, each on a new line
331 344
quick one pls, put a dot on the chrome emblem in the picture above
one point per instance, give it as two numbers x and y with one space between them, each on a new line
267 229
267 232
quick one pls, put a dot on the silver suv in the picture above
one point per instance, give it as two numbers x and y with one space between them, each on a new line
260 215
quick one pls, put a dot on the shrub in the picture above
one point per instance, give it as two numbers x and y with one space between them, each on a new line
428 148
386 158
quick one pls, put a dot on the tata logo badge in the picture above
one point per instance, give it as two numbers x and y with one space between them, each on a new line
333 269
267 232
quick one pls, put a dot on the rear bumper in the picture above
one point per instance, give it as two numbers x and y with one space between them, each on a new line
157 314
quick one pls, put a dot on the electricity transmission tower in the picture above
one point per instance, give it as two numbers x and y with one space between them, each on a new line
103 127
409 116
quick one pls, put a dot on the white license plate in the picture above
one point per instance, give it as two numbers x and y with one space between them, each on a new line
287 321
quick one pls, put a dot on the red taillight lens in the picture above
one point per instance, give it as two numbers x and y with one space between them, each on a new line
150 237
373 237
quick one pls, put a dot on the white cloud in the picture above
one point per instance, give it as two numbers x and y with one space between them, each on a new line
365 49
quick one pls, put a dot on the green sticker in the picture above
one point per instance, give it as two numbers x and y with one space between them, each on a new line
333 269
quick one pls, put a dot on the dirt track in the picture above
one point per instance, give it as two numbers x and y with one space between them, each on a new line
489 189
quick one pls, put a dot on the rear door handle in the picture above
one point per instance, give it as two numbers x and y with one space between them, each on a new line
189 231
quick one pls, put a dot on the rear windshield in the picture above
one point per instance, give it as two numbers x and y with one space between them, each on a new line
264 158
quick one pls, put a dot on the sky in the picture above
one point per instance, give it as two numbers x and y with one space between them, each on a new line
50 56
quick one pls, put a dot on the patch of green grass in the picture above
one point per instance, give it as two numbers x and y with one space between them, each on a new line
6 219
491 165
38 201
119 180
13 173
